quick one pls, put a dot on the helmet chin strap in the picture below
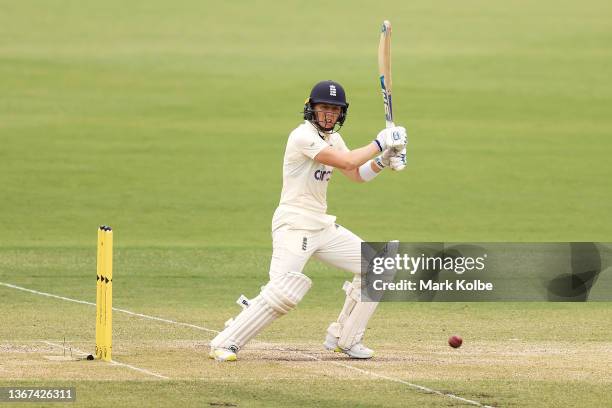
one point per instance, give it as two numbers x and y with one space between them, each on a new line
325 130
310 116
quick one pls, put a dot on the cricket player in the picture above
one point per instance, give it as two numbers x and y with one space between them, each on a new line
301 227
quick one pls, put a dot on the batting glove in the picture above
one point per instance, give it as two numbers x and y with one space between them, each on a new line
384 160
397 162
391 138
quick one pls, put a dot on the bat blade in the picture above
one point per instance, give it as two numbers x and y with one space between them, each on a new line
384 70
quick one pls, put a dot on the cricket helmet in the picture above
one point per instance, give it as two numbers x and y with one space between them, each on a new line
329 92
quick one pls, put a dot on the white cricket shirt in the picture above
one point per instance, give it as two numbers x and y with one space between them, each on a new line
303 203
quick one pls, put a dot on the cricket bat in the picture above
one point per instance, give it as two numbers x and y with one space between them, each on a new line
384 70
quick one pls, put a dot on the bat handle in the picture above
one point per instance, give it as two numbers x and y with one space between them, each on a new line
390 123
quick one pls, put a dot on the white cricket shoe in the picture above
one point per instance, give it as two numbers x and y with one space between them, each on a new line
222 354
357 351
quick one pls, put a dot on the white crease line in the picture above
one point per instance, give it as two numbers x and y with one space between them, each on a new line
83 302
113 362
416 386
46 294
366 372
350 367
161 319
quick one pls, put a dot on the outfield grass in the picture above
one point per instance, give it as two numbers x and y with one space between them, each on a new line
168 122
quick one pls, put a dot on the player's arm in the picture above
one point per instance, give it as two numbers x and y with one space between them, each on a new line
346 160
371 168
353 175
357 164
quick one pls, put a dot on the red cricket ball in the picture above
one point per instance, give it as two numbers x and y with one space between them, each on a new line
455 341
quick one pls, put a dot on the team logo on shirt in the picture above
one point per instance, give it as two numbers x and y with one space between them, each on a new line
322 175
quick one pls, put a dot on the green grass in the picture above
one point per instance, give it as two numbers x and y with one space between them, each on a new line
168 122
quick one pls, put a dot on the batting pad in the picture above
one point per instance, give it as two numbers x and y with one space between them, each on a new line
355 314
354 327
276 299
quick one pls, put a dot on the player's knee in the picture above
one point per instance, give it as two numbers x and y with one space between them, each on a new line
285 292
353 289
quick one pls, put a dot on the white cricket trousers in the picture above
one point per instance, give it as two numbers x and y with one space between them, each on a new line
334 245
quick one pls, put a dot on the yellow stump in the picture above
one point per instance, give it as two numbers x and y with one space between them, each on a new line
104 294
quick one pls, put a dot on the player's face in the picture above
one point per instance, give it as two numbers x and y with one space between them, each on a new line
327 115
